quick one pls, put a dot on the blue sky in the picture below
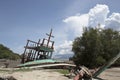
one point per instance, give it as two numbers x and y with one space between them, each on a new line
31 19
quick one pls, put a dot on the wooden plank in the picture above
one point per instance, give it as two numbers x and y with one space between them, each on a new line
104 67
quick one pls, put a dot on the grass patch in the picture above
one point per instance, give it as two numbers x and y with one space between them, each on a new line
15 70
22 70
2 70
63 71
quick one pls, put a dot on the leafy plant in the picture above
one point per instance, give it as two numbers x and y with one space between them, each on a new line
95 47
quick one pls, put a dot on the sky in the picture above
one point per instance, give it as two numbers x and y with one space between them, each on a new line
32 19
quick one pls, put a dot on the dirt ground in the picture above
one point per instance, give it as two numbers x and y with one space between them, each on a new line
35 75
109 74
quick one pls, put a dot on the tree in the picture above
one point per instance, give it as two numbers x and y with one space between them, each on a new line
6 53
95 47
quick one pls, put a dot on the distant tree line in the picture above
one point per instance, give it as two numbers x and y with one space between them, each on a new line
96 47
6 53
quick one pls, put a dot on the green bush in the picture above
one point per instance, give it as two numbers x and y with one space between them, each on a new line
6 53
96 47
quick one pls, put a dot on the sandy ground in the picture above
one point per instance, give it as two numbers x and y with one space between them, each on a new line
36 75
109 74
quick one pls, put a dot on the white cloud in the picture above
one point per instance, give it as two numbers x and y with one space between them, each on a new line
64 48
96 15
113 21
77 23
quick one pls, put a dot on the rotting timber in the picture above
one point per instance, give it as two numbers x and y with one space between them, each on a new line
38 50
39 54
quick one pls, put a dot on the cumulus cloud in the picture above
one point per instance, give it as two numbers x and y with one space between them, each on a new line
113 21
64 48
96 15
77 23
